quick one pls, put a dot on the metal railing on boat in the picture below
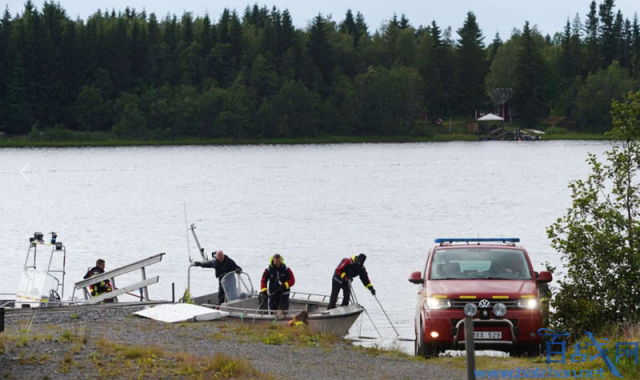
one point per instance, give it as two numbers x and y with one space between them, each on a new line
245 310
299 295
292 296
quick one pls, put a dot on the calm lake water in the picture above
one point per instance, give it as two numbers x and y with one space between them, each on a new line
314 204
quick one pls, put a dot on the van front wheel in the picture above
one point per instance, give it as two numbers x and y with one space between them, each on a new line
424 350
419 344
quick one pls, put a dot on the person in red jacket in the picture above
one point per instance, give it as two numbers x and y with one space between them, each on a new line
348 269
277 279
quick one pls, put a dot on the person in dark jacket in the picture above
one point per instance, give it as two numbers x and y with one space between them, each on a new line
101 287
223 264
348 269
277 279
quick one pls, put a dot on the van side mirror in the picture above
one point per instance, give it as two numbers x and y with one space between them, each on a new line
416 278
544 277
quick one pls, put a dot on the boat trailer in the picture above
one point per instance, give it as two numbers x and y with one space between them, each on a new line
111 276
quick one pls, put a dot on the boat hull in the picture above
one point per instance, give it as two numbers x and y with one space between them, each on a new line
336 321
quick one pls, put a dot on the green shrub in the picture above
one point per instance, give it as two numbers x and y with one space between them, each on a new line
66 336
228 367
274 339
599 237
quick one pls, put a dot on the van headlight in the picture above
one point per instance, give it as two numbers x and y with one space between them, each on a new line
499 310
528 303
438 303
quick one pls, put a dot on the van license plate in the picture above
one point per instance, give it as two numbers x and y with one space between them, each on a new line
493 335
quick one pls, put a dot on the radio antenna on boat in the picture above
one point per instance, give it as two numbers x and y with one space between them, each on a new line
192 228
186 224
193 231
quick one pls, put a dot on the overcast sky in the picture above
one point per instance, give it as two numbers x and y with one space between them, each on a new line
493 15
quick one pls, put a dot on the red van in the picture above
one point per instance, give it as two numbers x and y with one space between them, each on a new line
495 275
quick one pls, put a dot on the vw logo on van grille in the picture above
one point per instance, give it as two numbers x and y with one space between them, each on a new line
484 304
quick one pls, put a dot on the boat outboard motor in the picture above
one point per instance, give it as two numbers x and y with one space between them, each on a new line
54 236
39 236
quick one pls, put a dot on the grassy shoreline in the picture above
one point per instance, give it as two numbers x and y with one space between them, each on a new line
73 345
128 347
109 141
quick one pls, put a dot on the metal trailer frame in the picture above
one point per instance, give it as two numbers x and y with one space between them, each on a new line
111 276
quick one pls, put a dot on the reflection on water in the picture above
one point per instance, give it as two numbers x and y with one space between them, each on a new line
314 204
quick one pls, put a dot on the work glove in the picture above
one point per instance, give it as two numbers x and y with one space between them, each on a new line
282 288
373 291
197 263
238 271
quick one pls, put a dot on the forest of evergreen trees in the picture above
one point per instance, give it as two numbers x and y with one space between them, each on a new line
253 74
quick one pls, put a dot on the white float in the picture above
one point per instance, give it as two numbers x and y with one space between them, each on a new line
181 312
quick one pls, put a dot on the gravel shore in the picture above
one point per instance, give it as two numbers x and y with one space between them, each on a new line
72 346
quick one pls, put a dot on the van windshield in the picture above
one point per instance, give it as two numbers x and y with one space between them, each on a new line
470 263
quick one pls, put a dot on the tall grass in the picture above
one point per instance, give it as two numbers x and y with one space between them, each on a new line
219 366
3 343
128 352
143 358
138 352
275 334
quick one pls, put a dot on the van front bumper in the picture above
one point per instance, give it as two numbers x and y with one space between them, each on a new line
518 327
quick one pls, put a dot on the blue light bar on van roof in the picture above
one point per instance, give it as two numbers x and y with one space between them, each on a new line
477 240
